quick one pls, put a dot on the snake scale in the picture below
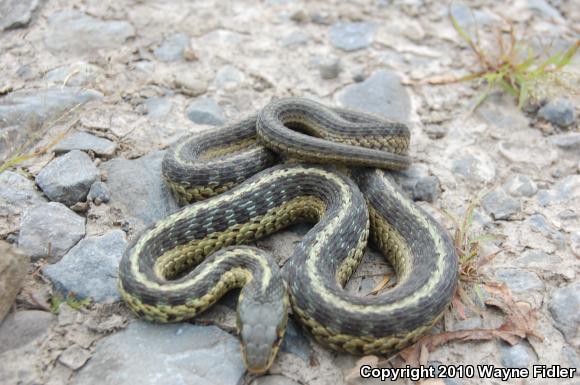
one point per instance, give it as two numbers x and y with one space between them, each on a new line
332 177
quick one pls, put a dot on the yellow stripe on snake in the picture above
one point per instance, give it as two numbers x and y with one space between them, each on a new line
185 262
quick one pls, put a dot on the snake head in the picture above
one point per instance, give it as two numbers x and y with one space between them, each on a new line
261 327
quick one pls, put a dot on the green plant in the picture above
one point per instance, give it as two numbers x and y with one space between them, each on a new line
71 300
515 67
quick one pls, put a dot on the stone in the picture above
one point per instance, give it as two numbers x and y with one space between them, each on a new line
16 13
75 32
500 205
329 68
564 305
519 281
89 269
352 36
205 111
542 8
572 357
84 141
190 84
567 214
74 357
569 141
539 223
99 193
23 111
49 230
17 193
419 185
517 356
296 342
13 268
575 243
68 178
144 353
559 112
565 189
274 379
467 17
477 168
435 131
295 39
78 74
158 107
228 77
172 48
468 324
23 327
520 186
382 93
137 188
532 258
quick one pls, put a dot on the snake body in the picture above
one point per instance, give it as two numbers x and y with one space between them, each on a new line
251 197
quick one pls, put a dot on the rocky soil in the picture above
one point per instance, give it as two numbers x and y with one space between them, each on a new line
97 90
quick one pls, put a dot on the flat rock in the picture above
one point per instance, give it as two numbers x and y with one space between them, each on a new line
559 112
49 230
86 142
137 188
540 224
295 39
22 111
352 36
158 107
382 93
537 258
329 68
519 185
519 280
13 268
172 48
518 356
68 178
575 243
542 8
17 193
569 141
564 305
476 167
178 354
99 193
78 74
419 185
78 33
90 268
466 16
564 190
16 13
228 77
500 205
296 342
22 327
205 111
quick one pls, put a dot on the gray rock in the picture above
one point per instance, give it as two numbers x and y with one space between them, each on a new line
542 8
575 243
352 36
519 280
68 178
190 84
531 258
435 131
559 112
75 32
172 48
99 193
228 77
16 13
49 230
296 342
329 68
520 186
13 268
17 193
22 112
564 305
500 205
137 188
158 107
77 74
539 223
205 111
569 141
477 169
86 142
565 189
90 268
517 356
177 354
382 93
274 379
419 185
468 324
295 39
22 327
567 214
467 17
573 360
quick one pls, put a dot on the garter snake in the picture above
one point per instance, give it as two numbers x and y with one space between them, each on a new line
185 262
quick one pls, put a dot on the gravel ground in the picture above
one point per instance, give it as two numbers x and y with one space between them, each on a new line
99 89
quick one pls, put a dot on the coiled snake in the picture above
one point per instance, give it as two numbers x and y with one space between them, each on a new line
250 197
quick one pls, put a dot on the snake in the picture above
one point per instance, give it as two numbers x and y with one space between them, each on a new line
296 160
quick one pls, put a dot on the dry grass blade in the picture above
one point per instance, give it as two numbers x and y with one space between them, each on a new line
380 286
